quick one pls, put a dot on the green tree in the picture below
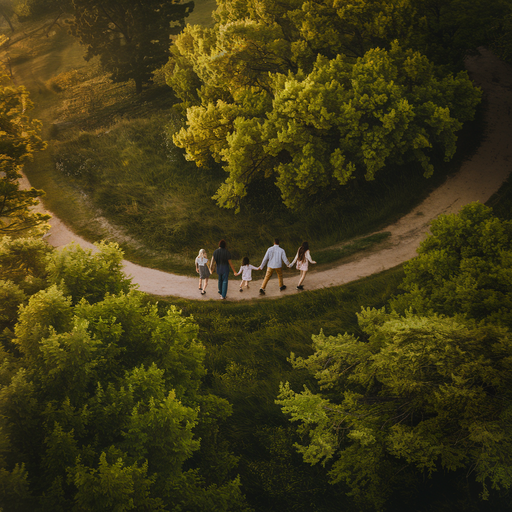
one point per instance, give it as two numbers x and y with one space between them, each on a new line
100 399
23 261
261 66
502 34
419 395
19 139
342 121
463 267
84 275
254 38
131 37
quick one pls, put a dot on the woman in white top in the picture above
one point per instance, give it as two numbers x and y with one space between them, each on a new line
303 259
246 271
203 270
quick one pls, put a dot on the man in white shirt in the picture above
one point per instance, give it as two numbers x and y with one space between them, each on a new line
274 257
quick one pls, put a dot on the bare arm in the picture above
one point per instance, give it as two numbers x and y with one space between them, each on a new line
294 260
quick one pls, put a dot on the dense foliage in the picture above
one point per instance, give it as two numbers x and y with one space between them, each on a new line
463 267
418 393
19 139
103 401
313 94
100 397
131 38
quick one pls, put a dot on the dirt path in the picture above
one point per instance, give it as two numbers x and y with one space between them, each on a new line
477 180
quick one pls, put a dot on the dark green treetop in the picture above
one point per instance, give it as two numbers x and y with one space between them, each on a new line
131 37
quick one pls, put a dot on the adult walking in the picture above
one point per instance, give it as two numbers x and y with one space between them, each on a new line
222 259
274 257
303 259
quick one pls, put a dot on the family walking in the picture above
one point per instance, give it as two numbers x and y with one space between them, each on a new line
273 259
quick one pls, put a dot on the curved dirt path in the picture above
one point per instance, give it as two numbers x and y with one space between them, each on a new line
477 180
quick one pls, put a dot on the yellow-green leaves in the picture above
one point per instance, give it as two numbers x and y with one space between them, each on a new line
464 266
19 139
329 85
339 122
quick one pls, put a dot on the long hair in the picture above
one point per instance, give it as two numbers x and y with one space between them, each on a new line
245 261
201 252
302 251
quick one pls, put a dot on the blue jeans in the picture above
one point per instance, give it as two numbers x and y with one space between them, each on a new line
223 281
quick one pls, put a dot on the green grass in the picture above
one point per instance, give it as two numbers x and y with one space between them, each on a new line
130 172
363 244
202 13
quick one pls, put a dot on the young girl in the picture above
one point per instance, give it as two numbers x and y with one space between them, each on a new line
246 271
303 259
203 270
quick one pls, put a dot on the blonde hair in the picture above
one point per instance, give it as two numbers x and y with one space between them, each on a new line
201 252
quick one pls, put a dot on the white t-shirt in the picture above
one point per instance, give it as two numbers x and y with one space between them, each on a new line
201 261
247 272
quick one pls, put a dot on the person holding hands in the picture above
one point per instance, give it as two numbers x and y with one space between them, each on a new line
203 270
274 257
246 271
303 259
222 259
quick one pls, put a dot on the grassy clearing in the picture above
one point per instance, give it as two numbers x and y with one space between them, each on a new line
362 244
132 173
111 171
202 13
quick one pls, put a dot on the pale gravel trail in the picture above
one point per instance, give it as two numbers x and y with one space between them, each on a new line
478 179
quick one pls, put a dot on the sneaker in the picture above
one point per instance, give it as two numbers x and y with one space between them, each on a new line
300 287
282 288
262 291
222 298
241 290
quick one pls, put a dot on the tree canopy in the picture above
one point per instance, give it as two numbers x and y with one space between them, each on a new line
343 120
424 388
313 94
100 392
415 396
19 139
132 38
463 267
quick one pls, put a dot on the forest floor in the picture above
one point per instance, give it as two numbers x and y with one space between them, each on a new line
477 180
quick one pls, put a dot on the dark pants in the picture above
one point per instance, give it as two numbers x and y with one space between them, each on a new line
223 280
